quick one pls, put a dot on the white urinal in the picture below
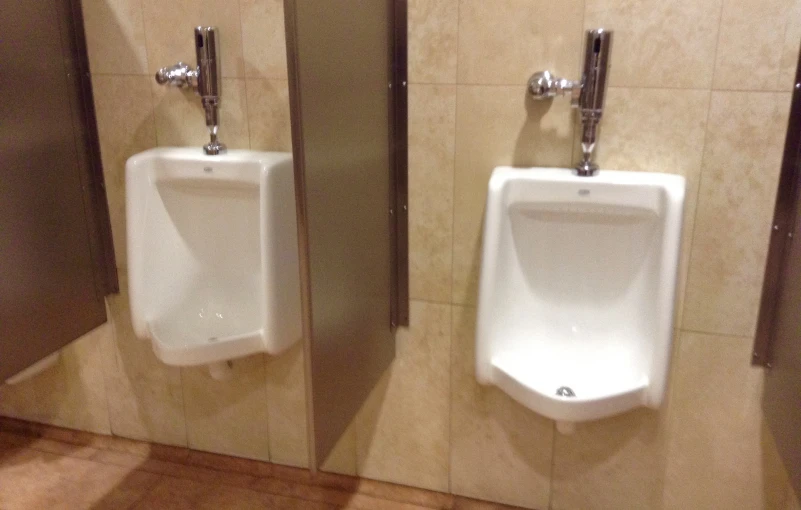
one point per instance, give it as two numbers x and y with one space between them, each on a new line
212 254
577 289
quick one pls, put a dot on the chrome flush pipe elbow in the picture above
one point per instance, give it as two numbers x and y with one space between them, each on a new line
587 94
205 80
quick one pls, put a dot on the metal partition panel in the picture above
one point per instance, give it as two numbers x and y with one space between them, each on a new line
778 340
56 259
342 98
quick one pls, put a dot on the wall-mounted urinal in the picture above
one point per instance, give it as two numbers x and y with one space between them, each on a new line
577 289
212 254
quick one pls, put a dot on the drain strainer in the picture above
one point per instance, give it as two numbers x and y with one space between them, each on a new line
565 391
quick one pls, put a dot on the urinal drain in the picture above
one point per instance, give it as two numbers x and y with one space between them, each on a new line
565 391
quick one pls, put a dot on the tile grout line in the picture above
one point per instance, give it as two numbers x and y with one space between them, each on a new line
244 73
714 333
183 405
781 57
119 74
628 87
110 349
265 378
147 67
453 245
247 112
553 464
430 301
683 298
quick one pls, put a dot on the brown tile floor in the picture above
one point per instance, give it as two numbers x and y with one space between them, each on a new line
53 468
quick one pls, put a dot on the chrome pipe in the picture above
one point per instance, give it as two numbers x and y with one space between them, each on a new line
209 82
597 49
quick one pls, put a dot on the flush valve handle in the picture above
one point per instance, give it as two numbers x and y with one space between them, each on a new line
544 85
178 75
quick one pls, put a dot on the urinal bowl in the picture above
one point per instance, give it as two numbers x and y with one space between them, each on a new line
212 254
577 289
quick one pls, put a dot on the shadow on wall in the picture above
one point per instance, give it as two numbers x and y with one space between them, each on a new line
525 154
65 394
98 13
773 471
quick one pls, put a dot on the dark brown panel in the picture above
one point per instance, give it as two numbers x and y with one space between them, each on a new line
778 340
782 394
399 150
341 58
52 258
88 147
783 218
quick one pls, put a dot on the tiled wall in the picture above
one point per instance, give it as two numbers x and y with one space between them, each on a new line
699 88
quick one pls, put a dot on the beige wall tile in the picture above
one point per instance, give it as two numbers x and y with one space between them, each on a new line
145 398
505 41
286 413
403 435
115 36
751 44
659 43
228 416
500 451
263 38
124 112
432 38
268 115
741 165
618 462
658 130
70 394
720 453
792 36
170 36
497 126
432 126
180 118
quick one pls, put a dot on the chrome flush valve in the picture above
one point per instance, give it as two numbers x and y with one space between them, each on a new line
205 80
587 94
